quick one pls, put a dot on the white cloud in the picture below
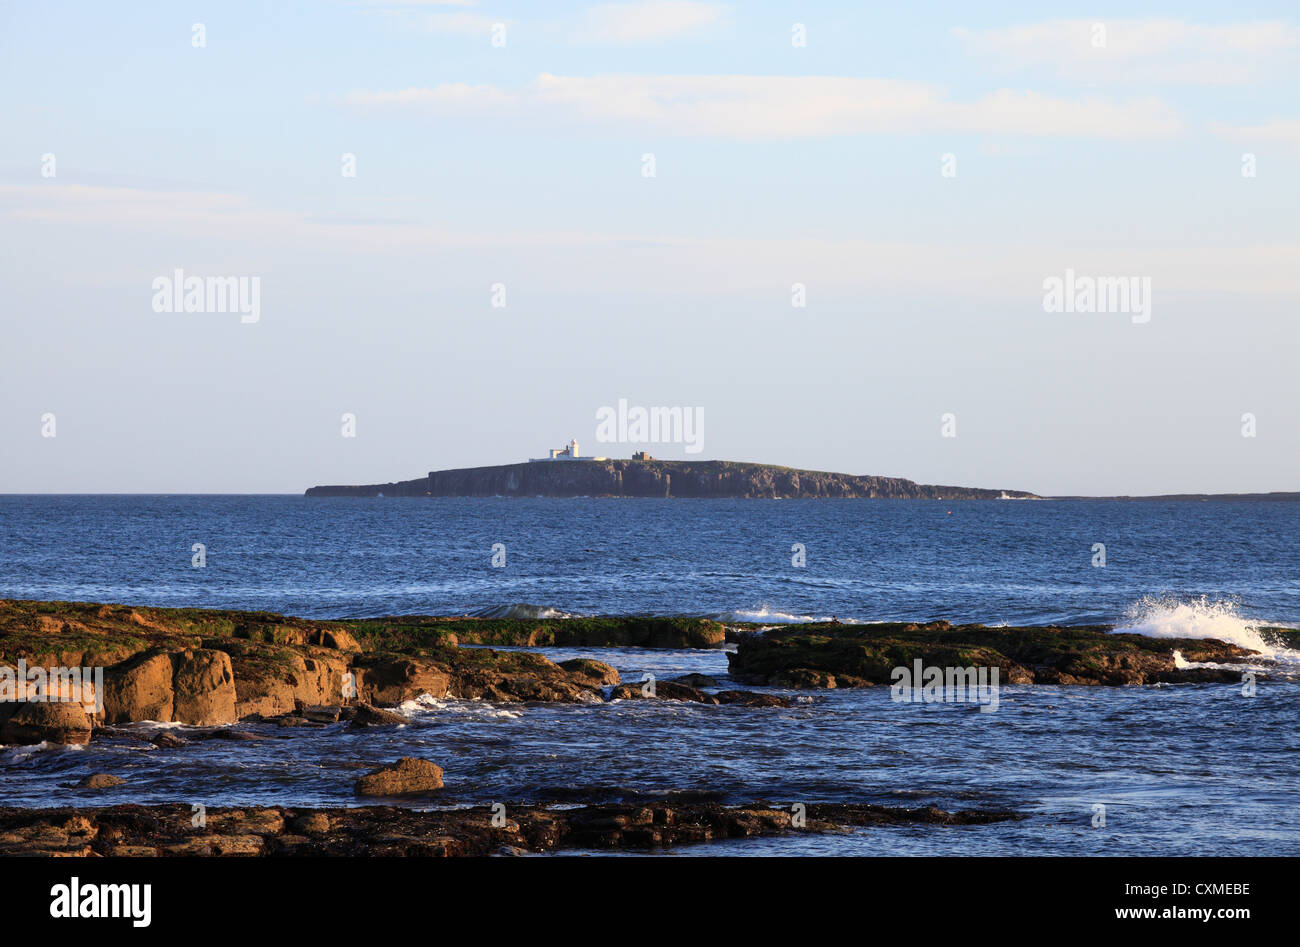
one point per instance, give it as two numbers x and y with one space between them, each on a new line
450 96
647 21
1150 50
560 260
1285 130
753 107
465 24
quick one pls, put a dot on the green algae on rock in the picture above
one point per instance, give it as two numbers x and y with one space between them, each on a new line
830 655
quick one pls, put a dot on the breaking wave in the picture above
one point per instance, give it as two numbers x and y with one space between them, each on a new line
1200 618
764 615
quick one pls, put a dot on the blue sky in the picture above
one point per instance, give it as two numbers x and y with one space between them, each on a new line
521 164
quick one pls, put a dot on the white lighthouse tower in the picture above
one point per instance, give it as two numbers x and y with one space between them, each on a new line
568 452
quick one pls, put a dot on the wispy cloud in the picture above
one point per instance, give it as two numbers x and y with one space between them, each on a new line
647 21
751 107
1283 130
1148 50
562 259
465 24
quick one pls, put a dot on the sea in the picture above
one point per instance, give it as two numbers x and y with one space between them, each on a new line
1194 769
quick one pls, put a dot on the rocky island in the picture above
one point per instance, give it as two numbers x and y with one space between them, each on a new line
718 479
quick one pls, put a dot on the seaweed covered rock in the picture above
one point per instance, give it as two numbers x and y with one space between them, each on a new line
834 655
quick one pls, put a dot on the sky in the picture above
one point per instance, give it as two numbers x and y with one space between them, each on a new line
827 231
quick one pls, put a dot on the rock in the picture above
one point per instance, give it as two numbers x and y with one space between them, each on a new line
388 680
46 723
663 690
311 823
223 733
832 655
752 699
321 714
139 688
252 822
695 680
100 781
168 741
595 673
339 640
803 678
365 715
203 688
271 681
407 777
407 831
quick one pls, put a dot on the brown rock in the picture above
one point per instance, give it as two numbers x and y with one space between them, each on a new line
46 722
696 680
389 681
312 823
321 714
139 688
100 781
365 715
594 673
803 677
663 690
203 688
753 699
338 639
408 776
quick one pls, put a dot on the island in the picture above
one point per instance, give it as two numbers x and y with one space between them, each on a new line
571 476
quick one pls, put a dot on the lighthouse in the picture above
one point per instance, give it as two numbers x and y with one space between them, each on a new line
568 452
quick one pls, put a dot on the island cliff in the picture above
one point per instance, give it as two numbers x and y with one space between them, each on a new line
660 478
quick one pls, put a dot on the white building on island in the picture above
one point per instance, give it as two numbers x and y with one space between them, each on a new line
568 452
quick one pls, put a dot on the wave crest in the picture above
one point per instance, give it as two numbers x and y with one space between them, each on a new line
1157 617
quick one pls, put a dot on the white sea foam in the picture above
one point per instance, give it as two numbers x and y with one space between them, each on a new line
1201 618
427 704
762 614
522 611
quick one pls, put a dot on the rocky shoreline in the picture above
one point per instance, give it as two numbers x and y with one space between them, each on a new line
171 830
210 668
233 676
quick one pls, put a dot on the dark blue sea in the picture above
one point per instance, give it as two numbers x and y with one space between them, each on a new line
1186 769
